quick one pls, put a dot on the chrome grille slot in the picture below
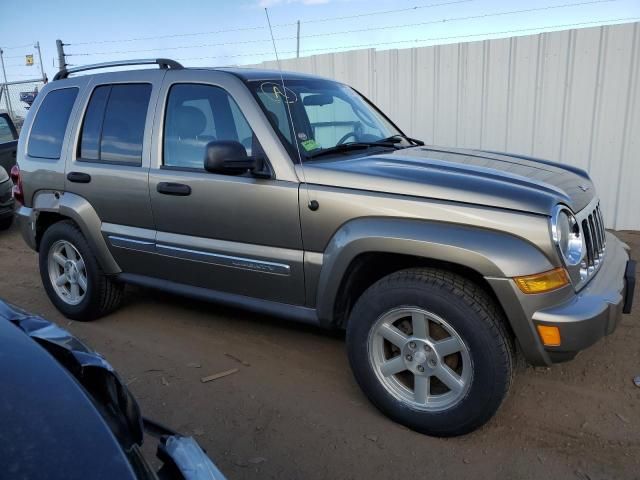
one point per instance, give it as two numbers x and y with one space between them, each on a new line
586 231
594 237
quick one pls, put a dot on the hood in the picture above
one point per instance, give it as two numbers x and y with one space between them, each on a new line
69 415
479 177
50 427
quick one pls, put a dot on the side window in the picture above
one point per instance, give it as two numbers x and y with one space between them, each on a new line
50 124
199 114
113 127
6 135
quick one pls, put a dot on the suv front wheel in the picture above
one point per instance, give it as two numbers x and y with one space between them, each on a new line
430 350
72 277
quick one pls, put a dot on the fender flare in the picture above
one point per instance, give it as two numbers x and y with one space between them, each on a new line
491 253
84 215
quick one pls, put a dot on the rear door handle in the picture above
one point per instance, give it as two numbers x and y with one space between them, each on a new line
78 177
179 189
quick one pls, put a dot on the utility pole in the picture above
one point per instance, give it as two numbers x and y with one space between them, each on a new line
37 47
62 63
298 41
7 100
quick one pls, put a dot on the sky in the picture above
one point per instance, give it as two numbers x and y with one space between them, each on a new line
234 32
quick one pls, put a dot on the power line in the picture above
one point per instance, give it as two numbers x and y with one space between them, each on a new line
457 19
419 40
115 52
241 29
343 32
17 56
18 46
382 12
262 27
18 65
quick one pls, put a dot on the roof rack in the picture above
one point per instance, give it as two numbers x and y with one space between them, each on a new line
162 62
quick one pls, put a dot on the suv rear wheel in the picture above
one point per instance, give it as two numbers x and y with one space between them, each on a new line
430 350
72 277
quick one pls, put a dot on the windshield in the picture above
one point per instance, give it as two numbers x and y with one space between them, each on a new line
325 115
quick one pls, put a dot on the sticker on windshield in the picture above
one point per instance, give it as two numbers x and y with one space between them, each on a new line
310 144
274 92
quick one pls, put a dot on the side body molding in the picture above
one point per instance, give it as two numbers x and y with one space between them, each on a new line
490 253
83 214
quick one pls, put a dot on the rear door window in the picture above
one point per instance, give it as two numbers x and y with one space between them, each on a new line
113 127
50 124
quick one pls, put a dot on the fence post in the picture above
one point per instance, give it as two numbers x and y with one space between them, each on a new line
6 88
61 58
37 47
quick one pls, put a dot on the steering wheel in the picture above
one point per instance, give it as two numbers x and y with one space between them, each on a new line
346 136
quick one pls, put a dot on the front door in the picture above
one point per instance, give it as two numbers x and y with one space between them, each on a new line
230 233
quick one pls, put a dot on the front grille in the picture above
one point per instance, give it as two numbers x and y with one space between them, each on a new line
595 239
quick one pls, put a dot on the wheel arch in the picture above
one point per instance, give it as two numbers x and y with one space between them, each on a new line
52 207
365 250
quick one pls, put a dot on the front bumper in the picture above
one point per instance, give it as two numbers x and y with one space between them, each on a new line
594 311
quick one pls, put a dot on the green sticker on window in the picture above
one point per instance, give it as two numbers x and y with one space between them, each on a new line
310 144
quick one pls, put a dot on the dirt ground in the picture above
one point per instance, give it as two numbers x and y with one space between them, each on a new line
293 410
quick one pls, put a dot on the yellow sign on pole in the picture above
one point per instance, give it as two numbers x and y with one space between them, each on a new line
29 59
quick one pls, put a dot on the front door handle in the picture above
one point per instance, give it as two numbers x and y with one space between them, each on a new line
78 177
179 189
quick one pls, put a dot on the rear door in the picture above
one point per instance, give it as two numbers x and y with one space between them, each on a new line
110 163
8 142
231 233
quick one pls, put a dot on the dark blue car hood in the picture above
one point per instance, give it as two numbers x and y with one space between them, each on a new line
50 428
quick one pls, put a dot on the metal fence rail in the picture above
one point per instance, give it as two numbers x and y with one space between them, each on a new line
572 96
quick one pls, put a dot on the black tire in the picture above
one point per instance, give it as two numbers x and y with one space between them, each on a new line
103 294
6 223
477 320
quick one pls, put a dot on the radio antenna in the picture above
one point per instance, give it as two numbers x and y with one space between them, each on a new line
313 205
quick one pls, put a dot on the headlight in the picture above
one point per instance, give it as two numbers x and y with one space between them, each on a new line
567 236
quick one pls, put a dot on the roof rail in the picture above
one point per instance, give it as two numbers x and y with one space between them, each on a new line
162 62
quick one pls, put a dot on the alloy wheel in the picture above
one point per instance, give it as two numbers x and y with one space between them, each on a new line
67 272
420 359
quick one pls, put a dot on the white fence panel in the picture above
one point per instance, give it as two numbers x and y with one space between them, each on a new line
571 96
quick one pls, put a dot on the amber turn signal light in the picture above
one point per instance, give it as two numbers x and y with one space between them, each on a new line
543 282
550 336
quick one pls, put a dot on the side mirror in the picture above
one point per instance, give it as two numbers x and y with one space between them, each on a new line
227 157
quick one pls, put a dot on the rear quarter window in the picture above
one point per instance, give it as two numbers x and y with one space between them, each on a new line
50 124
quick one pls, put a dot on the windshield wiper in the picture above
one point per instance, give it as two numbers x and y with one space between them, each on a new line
345 147
399 137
